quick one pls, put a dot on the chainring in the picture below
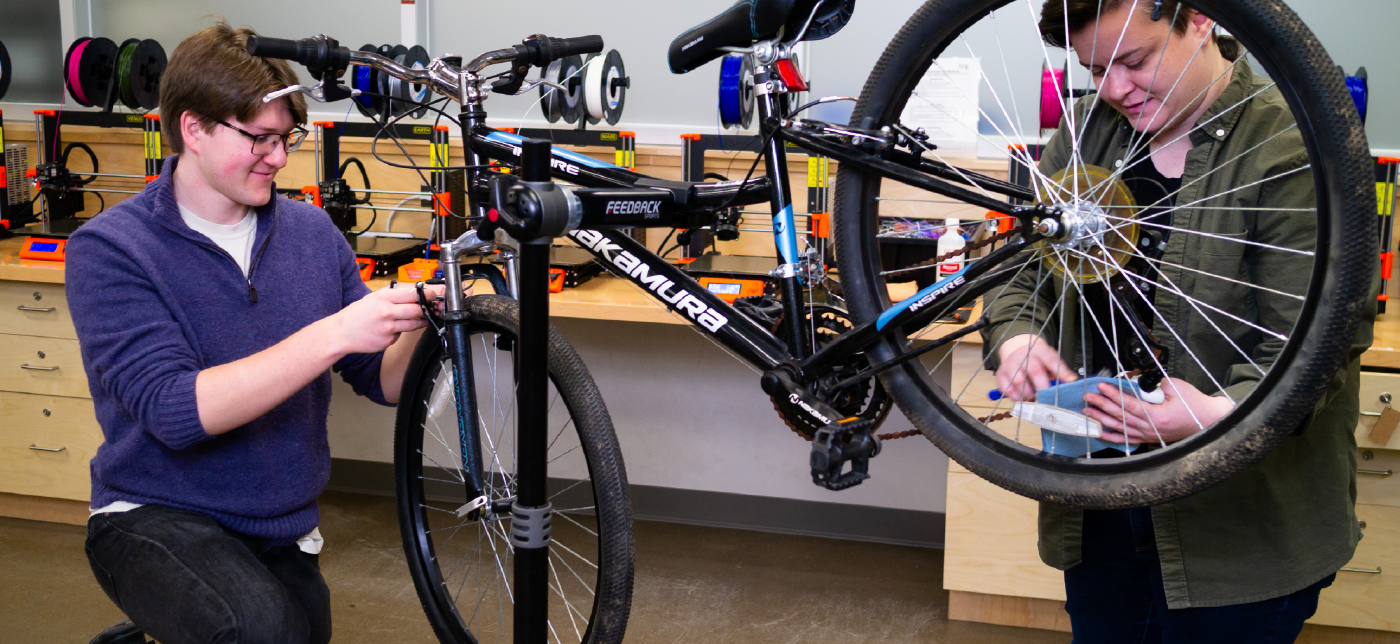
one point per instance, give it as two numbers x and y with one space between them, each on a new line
866 398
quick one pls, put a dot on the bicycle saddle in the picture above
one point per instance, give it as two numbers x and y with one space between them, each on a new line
753 20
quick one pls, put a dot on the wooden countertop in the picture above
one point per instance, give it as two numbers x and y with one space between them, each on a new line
602 298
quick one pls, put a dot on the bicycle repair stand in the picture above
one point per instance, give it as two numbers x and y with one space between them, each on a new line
535 229
62 190
380 256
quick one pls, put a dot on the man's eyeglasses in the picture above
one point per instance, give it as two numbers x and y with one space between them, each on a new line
264 144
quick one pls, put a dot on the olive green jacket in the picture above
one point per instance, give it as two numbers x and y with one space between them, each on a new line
1287 521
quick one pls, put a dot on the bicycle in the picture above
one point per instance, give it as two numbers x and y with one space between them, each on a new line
455 457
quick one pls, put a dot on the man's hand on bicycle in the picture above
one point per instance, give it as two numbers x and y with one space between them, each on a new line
1028 364
374 322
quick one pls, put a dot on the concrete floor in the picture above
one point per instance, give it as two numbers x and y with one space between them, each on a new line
693 584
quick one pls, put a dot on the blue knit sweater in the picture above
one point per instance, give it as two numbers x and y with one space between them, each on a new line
154 303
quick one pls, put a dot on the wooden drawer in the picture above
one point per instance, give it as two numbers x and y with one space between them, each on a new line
1373 386
1377 482
31 308
1367 599
36 365
45 445
990 544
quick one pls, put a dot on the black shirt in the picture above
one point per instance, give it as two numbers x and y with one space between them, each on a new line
1155 195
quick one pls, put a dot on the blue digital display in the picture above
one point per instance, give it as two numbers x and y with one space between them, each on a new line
43 247
724 289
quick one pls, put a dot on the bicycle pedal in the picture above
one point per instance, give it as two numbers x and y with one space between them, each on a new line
840 443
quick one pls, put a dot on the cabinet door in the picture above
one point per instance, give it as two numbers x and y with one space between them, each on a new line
1365 593
1374 388
36 365
990 546
1378 477
31 308
45 445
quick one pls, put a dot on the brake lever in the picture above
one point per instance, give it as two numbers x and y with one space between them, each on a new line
316 93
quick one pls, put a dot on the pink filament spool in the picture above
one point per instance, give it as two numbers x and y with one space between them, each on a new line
75 84
1052 106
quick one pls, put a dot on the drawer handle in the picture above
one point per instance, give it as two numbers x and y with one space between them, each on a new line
34 368
46 449
1385 472
1367 571
35 309
1370 413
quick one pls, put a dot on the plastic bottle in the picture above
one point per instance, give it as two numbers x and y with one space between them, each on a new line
949 241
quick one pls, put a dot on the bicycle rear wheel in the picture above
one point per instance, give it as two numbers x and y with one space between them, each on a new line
1215 298
462 566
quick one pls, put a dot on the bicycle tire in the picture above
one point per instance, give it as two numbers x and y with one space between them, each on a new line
425 494
1326 325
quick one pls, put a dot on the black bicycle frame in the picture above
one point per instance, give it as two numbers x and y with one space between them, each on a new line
614 198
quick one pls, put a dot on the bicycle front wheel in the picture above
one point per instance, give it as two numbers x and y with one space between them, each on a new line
462 562
1241 275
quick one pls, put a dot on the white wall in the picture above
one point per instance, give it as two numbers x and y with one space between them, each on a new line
661 105
689 416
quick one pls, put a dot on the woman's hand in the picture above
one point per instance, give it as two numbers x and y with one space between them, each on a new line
1184 412
1028 364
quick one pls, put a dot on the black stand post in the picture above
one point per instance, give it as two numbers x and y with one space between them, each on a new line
531 511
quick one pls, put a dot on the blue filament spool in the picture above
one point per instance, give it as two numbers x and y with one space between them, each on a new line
735 92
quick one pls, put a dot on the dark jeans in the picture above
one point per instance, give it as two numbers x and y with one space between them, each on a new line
1115 594
181 577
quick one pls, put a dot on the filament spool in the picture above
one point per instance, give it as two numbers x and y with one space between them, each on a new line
140 64
4 70
605 84
417 59
70 70
562 104
364 79
1359 86
388 85
550 101
736 97
124 54
1052 97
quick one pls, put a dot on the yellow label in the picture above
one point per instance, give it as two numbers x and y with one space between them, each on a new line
607 136
2 134
1384 190
156 152
438 152
817 169
422 129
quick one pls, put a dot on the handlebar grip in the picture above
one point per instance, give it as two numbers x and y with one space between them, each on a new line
542 50
279 48
563 47
318 54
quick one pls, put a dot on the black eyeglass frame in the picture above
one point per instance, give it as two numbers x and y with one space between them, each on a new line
291 141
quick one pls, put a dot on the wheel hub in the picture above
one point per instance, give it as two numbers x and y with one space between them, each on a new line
1095 232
